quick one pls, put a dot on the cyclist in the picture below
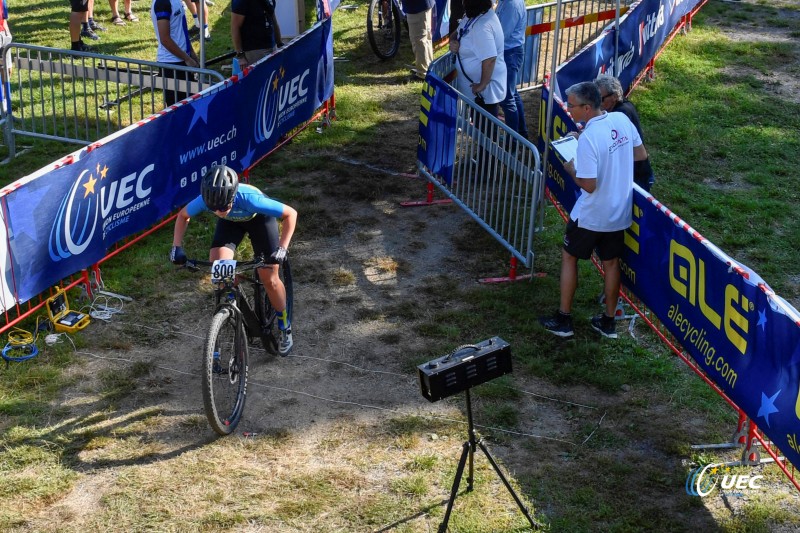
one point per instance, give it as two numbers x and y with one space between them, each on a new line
243 209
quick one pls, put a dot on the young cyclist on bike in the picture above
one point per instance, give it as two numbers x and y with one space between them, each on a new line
243 209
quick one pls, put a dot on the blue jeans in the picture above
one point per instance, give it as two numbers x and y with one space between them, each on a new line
512 104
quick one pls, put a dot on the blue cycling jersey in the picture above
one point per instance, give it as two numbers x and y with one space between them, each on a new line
248 202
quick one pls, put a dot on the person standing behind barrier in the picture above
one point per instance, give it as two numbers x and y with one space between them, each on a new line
513 19
254 30
195 31
419 14
607 148
129 15
5 30
613 101
79 12
478 46
174 46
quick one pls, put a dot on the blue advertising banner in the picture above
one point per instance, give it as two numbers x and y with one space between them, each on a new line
66 219
532 45
746 339
642 32
436 148
558 181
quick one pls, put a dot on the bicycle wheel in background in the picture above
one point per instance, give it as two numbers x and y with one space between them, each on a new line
224 372
269 323
383 28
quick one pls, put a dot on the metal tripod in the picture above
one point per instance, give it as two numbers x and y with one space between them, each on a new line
469 452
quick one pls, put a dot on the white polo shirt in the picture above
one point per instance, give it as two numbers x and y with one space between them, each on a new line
605 153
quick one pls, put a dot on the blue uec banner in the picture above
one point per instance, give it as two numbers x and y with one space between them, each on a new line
642 32
66 219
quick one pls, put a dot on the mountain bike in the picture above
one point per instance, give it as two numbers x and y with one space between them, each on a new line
383 27
238 318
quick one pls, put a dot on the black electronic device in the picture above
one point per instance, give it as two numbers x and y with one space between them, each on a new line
465 367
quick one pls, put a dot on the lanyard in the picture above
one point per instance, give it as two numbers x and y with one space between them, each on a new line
468 26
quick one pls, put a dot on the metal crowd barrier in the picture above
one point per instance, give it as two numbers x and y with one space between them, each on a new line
540 42
496 177
80 97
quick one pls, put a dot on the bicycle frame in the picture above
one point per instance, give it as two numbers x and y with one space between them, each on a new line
239 302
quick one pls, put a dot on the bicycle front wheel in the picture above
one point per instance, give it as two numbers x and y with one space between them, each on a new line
224 372
383 28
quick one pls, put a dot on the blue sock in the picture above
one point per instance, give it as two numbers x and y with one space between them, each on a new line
283 320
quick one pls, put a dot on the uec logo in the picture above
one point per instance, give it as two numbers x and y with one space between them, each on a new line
702 480
76 218
275 96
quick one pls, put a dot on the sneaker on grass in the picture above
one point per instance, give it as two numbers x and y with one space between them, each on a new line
89 34
605 326
559 324
285 342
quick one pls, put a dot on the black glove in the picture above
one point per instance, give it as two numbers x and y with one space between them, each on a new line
279 255
177 256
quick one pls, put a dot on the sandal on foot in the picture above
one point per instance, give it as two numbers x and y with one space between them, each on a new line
131 17
117 21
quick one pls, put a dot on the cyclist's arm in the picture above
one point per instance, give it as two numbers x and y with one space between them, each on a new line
181 223
289 222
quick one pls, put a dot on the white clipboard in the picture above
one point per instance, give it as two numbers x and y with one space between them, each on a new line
566 147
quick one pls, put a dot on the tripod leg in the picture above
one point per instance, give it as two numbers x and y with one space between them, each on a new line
521 505
454 491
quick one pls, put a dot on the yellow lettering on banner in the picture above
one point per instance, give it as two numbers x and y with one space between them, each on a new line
797 406
423 118
684 284
425 103
421 142
631 242
733 316
709 313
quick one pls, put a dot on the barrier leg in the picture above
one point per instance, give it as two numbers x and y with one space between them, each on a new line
751 455
512 274
428 199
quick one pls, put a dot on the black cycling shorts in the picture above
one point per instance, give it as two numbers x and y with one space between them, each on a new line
79 6
580 242
263 232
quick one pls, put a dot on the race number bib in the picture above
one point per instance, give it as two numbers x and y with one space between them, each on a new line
223 270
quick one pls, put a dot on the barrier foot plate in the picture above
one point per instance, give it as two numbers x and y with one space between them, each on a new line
423 203
507 279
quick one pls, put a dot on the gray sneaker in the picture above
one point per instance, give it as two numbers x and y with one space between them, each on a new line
605 326
285 342
559 324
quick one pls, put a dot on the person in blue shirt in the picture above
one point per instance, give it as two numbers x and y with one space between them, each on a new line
513 19
243 209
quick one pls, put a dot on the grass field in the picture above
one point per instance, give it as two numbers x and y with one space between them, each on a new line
109 434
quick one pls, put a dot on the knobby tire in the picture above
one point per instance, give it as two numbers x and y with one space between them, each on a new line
383 30
224 372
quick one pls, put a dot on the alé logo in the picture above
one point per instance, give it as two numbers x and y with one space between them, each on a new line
90 201
704 479
277 95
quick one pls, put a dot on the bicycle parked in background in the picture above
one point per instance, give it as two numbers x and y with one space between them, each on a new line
238 318
384 19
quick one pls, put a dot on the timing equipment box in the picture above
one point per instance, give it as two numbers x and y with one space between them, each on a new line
465 367
62 318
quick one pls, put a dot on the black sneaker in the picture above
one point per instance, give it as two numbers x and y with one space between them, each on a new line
83 47
194 31
559 324
90 34
605 326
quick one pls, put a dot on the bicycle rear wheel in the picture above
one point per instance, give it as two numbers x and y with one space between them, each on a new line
383 28
224 372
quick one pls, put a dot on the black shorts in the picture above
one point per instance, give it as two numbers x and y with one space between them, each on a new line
580 242
79 6
263 232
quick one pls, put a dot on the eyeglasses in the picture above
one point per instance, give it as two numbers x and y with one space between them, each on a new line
571 105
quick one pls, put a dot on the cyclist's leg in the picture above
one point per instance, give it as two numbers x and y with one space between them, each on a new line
227 236
264 236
